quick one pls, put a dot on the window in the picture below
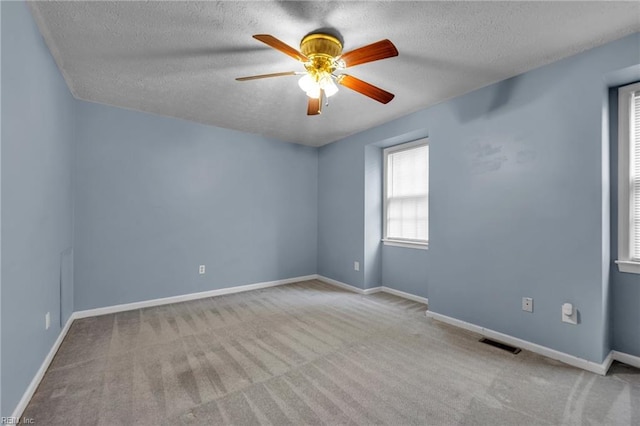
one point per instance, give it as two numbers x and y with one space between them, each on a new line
629 178
406 195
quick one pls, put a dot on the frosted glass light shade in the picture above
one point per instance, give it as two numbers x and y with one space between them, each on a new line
307 83
312 87
329 87
314 92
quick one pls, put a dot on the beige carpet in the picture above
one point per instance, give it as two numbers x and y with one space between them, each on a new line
309 353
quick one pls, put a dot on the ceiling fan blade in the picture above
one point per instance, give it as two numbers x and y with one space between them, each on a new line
315 105
281 46
275 74
365 88
372 52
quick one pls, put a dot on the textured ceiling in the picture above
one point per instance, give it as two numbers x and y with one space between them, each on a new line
180 59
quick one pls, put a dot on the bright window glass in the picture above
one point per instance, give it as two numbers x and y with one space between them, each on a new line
629 178
406 216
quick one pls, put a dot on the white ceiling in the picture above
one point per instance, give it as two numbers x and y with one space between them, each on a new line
180 59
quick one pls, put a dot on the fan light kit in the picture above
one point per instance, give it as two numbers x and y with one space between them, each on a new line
323 60
321 49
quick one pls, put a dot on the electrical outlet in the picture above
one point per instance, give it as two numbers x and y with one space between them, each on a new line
527 304
47 321
201 270
356 266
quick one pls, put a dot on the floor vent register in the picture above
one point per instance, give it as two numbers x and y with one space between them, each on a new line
502 346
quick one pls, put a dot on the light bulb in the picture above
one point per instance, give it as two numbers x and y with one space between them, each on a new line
306 83
329 87
314 92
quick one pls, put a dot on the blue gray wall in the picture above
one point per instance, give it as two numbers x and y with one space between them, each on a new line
372 218
156 197
340 212
406 269
518 204
36 175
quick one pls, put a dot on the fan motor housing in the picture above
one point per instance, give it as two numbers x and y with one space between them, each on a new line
321 49
320 45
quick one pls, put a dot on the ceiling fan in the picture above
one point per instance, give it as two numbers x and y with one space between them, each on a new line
323 61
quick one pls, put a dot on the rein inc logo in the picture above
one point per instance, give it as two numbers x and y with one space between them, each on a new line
16 420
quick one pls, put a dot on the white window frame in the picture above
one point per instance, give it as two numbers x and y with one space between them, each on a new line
397 242
626 261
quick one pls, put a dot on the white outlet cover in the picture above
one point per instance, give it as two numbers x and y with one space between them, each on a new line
527 304
201 269
571 318
47 320
356 266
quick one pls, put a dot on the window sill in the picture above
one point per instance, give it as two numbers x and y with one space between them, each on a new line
406 244
628 266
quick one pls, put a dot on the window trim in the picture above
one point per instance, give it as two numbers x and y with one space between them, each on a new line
625 262
400 242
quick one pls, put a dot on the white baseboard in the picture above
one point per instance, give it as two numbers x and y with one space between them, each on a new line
594 367
186 297
35 382
606 363
345 286
373 290
404 294
624 358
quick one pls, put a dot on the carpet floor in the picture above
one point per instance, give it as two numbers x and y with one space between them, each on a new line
309 353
